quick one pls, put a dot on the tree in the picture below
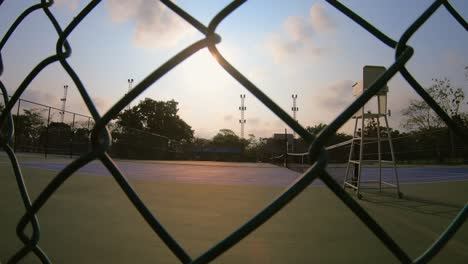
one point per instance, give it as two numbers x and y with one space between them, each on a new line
420 116
336 138
227 146
59 137
28 128
156 117
255 150
370 129
227 137
81 140
428 128
201 143
145 130
315 130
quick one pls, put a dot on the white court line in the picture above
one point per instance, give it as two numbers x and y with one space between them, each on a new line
434 176
423 176
434 172
401 180
405 183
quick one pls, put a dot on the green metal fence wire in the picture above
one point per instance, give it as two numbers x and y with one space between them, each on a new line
101 137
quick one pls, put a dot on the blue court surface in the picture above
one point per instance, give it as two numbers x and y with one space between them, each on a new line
225 173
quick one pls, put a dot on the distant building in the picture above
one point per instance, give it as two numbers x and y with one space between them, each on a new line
280 136
276 145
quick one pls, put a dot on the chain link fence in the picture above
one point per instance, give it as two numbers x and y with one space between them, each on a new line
40 129
101 140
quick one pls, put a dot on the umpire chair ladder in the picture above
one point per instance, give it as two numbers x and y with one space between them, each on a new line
354 179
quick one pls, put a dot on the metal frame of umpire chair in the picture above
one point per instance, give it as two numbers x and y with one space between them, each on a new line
354 181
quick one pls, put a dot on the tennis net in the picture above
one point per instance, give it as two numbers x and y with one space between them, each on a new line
338 155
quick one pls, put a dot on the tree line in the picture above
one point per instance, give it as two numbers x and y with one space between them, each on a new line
154 130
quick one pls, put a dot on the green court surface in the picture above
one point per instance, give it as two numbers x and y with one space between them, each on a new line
90 220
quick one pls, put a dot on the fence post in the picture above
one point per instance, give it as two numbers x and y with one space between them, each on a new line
47 135
17 126
71 137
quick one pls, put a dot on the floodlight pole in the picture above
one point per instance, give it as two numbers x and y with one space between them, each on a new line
130 83
64 101
294 109
242 108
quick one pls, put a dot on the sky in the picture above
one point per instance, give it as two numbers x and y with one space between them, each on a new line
298 47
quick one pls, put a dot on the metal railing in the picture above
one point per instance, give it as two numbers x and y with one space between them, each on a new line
101 137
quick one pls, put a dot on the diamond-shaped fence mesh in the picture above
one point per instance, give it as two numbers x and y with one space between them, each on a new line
39 128
100 137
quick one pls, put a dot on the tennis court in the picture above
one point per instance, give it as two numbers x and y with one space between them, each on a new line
90 220
250 173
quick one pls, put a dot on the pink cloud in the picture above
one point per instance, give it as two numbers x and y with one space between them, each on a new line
320 19
155 25
299 35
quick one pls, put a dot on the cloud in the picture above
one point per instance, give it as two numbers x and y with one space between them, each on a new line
40 96
156 26
452 58
101 104
299 35
320 19
253 121
281 49
228 117
70 4
336 96
297 28
266 128
73 104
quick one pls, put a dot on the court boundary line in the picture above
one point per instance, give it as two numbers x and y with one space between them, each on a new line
187 182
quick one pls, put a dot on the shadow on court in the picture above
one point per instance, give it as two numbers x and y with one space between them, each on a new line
90 220
413 203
